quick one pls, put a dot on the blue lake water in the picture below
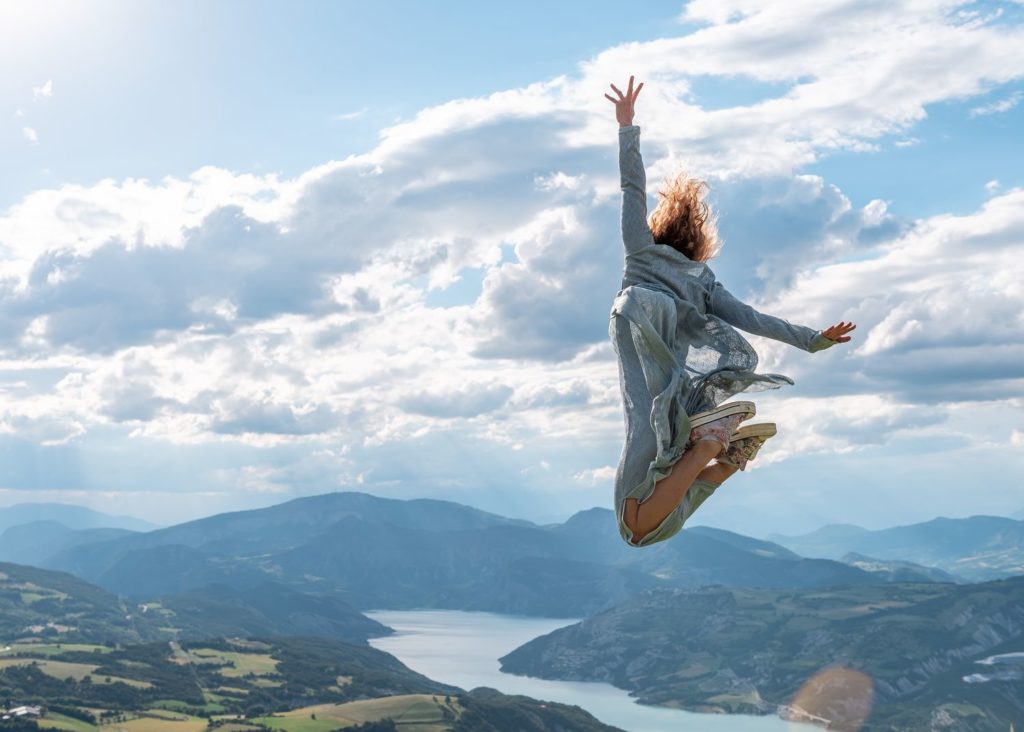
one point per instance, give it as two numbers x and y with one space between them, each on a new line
463 648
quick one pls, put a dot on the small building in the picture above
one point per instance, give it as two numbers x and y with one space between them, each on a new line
23 711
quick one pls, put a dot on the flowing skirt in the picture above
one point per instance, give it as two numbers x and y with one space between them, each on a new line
674 360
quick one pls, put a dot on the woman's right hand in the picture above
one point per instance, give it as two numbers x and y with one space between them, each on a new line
624 104
838 332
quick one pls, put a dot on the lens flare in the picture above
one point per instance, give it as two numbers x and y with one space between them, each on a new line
839 698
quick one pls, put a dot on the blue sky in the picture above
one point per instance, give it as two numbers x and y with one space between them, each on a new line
152 89
256 251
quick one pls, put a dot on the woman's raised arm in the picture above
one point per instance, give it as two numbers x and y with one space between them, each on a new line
636 234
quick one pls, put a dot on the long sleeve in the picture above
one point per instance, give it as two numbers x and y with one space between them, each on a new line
740 315
635 233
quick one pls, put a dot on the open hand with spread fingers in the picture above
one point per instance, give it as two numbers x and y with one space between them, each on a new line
624 104
838 332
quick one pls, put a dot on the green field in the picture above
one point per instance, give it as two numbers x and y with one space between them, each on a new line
182 723
51 649
419 712
59 721
69 670
240 663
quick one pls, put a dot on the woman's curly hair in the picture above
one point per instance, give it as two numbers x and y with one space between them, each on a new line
683 220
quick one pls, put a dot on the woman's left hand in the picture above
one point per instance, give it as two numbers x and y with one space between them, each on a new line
838 332
624 104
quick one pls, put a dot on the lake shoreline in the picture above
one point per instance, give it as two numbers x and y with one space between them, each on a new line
462 648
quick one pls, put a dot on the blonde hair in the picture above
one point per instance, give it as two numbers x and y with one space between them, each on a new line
684 220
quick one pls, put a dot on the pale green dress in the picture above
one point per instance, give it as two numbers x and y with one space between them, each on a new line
672 326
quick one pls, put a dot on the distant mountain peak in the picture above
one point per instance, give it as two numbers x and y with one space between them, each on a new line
73 516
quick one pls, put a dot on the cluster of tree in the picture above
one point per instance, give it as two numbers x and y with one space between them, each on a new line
381 725
73 712
488 709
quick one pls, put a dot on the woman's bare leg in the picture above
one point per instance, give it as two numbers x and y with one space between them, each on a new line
717 473
668 492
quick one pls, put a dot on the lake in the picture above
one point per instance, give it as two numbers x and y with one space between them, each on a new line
463 648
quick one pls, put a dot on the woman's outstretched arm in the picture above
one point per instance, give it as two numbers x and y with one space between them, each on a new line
635 233
740 315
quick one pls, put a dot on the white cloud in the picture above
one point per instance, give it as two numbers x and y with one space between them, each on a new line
30 134
1003 105
596 476
841 424
292 315
347 116
467 401
559 180
43 91
938 310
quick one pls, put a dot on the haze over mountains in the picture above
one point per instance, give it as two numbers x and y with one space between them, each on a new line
71 516
375 552
977 548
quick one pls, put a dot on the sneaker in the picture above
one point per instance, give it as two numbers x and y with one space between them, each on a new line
718 424
745 443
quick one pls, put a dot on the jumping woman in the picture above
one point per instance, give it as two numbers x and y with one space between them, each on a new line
680 357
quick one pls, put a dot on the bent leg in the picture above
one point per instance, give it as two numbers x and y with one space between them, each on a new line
668 492
717 473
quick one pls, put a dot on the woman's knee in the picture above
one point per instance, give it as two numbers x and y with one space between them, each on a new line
630 517
630 513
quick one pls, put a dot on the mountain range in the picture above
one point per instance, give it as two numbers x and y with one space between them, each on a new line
382 553
977 548
71 516
711 620
373 552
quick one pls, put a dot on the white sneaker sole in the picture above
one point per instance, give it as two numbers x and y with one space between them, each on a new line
723 410
766 429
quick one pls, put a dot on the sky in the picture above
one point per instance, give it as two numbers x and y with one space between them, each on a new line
256 251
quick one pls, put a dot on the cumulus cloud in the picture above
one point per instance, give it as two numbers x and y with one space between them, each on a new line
294 314
30 134
938 310
470 401
239 417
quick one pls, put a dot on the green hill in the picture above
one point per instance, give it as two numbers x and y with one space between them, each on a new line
269 608
751 650
56 605
288 683
265 653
